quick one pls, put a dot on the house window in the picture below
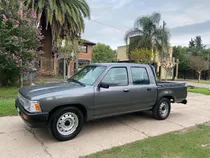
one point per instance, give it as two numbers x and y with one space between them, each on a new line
83 49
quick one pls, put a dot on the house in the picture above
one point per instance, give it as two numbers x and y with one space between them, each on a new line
122 53
123 57
53 63
84 56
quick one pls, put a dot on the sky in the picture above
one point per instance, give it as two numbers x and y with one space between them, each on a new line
110 19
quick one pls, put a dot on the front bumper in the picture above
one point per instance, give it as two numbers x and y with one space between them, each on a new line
35 120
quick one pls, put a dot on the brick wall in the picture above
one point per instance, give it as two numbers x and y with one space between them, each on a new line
72 69
81 55
87 55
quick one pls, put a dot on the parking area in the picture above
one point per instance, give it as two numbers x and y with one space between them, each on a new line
18 140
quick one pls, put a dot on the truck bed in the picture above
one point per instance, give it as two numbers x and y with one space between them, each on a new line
169 84
176 91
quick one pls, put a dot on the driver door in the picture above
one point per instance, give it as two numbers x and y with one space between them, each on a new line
115 99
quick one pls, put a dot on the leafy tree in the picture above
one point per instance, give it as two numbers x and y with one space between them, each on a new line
180 53
147 34
60 18
103 53
198 64
69 50
196 47
19 40
168 65
198 42
141 56
191 43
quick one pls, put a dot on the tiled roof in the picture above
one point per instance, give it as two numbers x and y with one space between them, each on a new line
86 42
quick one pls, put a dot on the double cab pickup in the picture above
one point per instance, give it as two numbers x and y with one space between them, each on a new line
97 91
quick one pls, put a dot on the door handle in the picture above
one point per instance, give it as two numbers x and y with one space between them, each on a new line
126 90
149 89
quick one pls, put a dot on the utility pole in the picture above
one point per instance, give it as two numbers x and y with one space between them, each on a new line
162 51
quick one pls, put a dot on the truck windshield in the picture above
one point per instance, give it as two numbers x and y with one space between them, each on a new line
88 75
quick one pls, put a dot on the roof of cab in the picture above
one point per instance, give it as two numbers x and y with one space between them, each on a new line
118 64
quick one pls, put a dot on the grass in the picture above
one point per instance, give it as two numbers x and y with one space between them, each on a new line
204 91
201 82
7 101
195 81
192 143
204 82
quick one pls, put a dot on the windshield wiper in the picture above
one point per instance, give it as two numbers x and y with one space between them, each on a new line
76 81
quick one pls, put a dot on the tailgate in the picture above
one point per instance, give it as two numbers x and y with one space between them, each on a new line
177 91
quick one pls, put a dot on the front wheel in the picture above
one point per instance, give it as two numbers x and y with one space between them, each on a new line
162 109
66 123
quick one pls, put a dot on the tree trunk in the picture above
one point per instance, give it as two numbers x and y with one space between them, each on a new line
166 75
46 45
199 76
160 73
69 70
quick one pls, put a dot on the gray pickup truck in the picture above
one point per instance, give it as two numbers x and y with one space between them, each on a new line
98 90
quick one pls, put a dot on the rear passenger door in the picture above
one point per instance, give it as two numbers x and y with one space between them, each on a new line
116 99
143 92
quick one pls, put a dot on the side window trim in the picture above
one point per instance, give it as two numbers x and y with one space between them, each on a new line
126 68
146 73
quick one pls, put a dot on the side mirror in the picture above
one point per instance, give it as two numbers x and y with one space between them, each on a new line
103 85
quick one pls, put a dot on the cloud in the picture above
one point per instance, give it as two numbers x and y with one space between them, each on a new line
119 4
197 28
185 19
181 35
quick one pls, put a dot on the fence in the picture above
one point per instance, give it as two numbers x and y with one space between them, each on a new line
191 74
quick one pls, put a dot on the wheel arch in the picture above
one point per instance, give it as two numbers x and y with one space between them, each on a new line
79 106
169 97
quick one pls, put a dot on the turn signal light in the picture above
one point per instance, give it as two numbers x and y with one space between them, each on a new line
37 107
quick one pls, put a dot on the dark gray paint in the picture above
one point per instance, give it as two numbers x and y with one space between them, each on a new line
100 102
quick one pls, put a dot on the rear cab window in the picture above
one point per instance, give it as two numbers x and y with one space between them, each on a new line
139 76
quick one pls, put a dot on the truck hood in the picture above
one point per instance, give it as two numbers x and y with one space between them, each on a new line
33 91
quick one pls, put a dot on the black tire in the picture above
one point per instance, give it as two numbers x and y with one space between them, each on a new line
69 112
158 109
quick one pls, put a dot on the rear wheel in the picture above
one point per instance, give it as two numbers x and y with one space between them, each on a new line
162 109
66 123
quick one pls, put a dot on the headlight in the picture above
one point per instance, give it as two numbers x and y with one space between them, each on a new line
30 106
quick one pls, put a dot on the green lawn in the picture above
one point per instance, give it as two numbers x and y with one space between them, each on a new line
193 143
7 101
199 90
205 82
201 82
195 81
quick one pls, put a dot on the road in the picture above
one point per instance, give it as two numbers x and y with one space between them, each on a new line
20 141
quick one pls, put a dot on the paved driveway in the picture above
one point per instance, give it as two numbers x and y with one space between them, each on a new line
18 140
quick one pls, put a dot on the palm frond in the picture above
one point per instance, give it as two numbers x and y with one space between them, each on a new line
155 18
132 32
64 16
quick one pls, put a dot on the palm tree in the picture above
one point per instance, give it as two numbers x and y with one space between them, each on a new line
148 34
59 18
